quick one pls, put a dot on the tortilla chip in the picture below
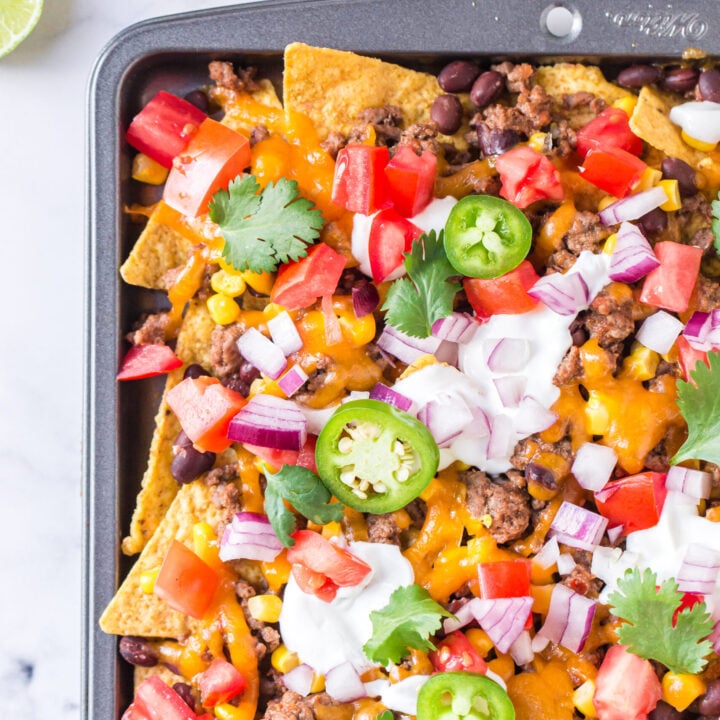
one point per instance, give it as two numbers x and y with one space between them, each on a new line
569 78
159 487
162 671
651 121
133 612
333 86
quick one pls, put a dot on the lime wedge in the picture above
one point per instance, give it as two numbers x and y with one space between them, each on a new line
17 20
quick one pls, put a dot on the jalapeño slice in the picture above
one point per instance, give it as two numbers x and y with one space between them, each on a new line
463 696
486 236
374 457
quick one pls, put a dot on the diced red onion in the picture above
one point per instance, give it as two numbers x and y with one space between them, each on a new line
593 465
333 330
365 299
343 683
565 294
569 619
633 206
696 330
463 615
659 332
614 534
447 352
521 650
714 637
713 333
249 536
501 438
632 257
695 483
510 389
262 352
480 425
532 416
299 679
457 328
284 333
270 421
446 417
577 527
391 397
565 563
293 380
404 347
699 570
548 555
506 355
503 619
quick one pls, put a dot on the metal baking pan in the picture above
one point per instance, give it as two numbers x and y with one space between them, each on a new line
172 53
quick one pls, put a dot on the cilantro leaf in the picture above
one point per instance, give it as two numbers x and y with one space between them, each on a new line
414 305
264 229
699 403
407 621
650 632
386 715
304 490
715 205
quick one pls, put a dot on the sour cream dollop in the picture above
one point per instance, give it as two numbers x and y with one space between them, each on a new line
325 635
699 120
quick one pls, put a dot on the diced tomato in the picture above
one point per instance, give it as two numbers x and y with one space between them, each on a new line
527 176
670 284
456 653
205 408
163 128
186 582
143 361
360 184
132 713
689 357
220 682
626 686
305 457
504 295
411 179
612 169
299 284
634 502
321 567
215 155
391 235
611 128
158 701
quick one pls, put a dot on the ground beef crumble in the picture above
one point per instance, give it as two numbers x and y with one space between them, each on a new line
223 75
150 330
225 358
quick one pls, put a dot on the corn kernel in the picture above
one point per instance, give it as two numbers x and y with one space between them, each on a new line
627 104
147 580
266 386
538 141
480 640
672 190
582 699
597 418
203 535
641 363
227 267
283 660
147 170
223 309
318 683
504 666
680 689
331 530
713 514
265 607
650 178
697 144
606 201
260 282
609 247
226 711
227 283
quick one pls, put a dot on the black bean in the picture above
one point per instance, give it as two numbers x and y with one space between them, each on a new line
709 703
578 333
199 99
458 76
653 222
185 691
677 169
663 711
138 651
242 380
447 112
709 85
486 88
495 142
189 463
541 475
636 76
195 371
681 80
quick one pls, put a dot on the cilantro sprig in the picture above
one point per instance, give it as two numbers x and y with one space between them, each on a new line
407 621
699 403
414 303
715 206
263 229
649 631
304 490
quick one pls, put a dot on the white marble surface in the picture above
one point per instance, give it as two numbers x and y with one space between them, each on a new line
42 185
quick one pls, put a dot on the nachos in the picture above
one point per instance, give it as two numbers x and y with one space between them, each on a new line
439 435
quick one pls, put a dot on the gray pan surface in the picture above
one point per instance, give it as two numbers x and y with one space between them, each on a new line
172 53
